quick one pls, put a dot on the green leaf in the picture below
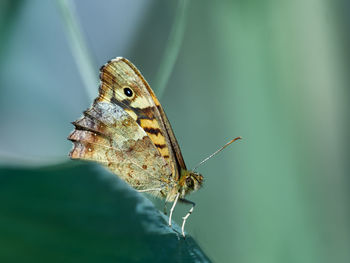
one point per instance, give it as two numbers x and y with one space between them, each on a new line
81 213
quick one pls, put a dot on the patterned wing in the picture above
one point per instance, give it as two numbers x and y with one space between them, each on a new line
122 84
108 135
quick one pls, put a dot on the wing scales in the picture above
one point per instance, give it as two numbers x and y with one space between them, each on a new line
145 109
108 135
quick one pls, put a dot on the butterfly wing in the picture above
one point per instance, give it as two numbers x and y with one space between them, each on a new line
160 113
174 144
108 135
123 85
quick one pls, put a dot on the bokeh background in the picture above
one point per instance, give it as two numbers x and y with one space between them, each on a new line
274 72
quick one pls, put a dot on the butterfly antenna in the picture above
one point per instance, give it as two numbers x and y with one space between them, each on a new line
217 151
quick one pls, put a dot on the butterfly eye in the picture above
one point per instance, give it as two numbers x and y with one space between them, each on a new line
189 182
128 92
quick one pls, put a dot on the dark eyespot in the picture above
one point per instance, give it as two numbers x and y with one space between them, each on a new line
128 92
189 182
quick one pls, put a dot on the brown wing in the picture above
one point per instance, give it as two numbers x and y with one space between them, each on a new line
175 145
108 135
123 85
171 136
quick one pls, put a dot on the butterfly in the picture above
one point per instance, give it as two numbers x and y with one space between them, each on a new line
127 131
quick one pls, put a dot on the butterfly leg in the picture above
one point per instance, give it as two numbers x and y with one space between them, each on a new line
173 207
187 215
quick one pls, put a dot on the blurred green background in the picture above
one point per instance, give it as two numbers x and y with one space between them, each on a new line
274 72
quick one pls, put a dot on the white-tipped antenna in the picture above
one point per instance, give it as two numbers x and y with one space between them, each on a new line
217 151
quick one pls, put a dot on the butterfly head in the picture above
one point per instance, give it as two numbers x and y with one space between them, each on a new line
190 181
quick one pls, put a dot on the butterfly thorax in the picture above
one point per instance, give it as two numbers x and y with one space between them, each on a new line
189 181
